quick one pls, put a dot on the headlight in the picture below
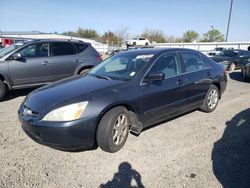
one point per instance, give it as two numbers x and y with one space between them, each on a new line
67 113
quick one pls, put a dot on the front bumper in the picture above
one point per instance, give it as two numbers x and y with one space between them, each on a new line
74 135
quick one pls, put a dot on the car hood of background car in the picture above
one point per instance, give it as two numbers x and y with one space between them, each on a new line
74 89
220 58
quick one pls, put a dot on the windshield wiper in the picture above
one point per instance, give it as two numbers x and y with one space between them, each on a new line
102 77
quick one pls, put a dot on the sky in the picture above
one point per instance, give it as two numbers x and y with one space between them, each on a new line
173 17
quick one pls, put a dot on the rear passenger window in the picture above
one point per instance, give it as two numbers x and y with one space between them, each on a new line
193 62
62 48
168 64
81 47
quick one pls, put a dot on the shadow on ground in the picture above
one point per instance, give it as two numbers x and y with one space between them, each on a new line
18 93
236 76
231 154
126 177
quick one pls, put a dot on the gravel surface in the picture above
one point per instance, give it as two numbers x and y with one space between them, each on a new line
194 150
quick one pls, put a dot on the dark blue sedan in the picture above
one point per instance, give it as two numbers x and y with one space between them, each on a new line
127 92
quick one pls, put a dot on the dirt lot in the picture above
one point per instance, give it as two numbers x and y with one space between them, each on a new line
195 150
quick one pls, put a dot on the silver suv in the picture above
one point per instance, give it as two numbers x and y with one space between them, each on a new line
41 62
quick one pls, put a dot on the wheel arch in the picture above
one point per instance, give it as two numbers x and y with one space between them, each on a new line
79 69
5 80
217 84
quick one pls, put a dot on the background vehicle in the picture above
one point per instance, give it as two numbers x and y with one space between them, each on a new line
215 51
245 70
232 59
43 61
138 41
128 91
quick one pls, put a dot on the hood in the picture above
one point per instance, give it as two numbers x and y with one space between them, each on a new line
74 89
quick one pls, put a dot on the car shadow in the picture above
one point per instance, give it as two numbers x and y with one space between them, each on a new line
231 154
18 93
124 178
236 76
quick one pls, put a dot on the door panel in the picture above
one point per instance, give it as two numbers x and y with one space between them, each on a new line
64 59
33 67
166 97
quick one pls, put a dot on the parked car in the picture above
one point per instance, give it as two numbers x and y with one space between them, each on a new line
232 59
41 62
245 70
127 92
215 51
138 41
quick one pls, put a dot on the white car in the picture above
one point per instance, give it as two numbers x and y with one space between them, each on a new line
215 51
138 41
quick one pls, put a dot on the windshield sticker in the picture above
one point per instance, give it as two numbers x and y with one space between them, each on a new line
132 74
144 56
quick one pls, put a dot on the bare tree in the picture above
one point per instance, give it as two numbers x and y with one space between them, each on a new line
122 34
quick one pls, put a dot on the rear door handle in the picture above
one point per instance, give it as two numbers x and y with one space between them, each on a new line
77 61
45 63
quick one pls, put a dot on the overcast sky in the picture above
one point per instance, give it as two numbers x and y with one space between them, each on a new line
174 17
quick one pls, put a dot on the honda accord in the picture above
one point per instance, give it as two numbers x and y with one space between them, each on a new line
125 93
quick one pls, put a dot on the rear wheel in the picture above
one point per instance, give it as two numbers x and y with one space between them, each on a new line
84 71
211 100
146 44
134 43
3 90
244 74
113 129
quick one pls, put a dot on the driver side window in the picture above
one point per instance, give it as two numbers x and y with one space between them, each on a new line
168 64
35 50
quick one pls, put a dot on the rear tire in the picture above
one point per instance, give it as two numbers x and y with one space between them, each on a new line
211 100
84 71
146 44
244 74
134 44
113 129
3 90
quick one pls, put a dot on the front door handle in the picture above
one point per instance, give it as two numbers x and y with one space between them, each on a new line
45 63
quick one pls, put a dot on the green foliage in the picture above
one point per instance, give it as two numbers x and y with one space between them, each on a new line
213 35
110 38
190 36
83 33
154 35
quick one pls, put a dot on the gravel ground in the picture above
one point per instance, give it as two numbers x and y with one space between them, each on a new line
194 150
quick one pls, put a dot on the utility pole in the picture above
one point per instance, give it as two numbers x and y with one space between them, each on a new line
229 19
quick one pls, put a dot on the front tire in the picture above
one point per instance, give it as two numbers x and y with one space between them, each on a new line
113 129
211 100
3 90
84 72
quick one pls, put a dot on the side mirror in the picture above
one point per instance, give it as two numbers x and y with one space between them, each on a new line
16 56
154 77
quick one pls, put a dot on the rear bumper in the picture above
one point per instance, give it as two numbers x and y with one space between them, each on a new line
74 135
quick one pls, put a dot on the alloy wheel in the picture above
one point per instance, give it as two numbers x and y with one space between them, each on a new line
212 99
120 129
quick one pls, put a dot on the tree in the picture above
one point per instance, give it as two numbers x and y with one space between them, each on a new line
83 33
154 35
213 35
122 34
190 36
110 38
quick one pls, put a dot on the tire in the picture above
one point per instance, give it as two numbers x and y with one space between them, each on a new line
146 44
134 43
244 74
84 71
3 90
211 100
232 67
113 129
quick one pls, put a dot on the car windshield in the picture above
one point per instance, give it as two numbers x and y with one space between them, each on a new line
229 53
6 50
123 66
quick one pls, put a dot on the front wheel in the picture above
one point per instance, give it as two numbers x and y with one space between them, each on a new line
84 71
113 129
211 100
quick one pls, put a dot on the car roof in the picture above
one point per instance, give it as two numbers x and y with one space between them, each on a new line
156 51
55 40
